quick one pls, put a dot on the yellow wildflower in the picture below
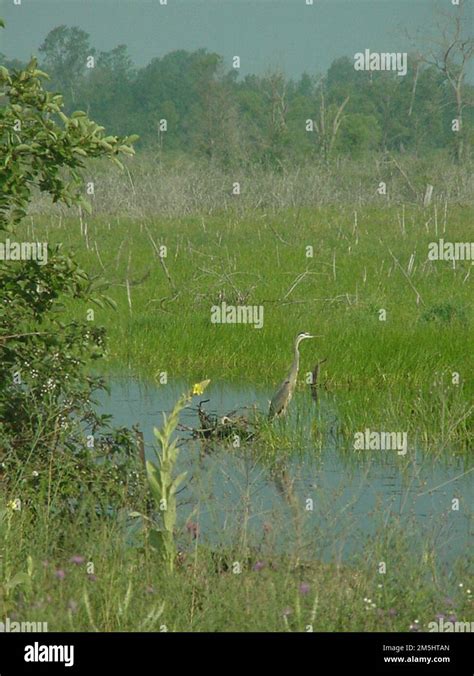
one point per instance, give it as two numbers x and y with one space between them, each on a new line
198 388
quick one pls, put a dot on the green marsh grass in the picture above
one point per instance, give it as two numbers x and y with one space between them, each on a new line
89 572
396 373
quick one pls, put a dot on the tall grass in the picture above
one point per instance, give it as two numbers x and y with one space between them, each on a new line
400 372
181 187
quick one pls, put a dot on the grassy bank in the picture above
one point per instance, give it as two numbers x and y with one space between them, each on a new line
87 579
392 369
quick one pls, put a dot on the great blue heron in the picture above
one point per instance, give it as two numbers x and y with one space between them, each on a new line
282 396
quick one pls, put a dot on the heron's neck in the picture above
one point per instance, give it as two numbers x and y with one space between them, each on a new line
296 358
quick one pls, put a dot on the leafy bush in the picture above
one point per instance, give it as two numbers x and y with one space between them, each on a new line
46 390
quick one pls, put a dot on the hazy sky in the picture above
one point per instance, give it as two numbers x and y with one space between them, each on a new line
266 34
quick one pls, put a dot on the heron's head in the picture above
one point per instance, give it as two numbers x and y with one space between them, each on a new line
303 336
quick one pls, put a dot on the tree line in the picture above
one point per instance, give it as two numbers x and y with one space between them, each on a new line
189 103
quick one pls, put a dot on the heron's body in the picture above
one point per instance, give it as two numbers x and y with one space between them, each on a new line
282 397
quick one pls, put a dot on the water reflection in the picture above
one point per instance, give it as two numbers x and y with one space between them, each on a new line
318 502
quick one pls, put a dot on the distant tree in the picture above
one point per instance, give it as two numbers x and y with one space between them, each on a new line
64 56
178 83
276 135
302 104
426 99
359 134
450 52
216 129
305 86
185 102
107 91
328 122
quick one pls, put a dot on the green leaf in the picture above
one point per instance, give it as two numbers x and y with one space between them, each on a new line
127 150
110 302
19 578
178 480
153 482
116 161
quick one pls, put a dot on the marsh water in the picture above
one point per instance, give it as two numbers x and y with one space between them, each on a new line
325 501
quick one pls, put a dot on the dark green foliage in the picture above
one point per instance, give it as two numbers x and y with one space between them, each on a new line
444 313
211 113
46 390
